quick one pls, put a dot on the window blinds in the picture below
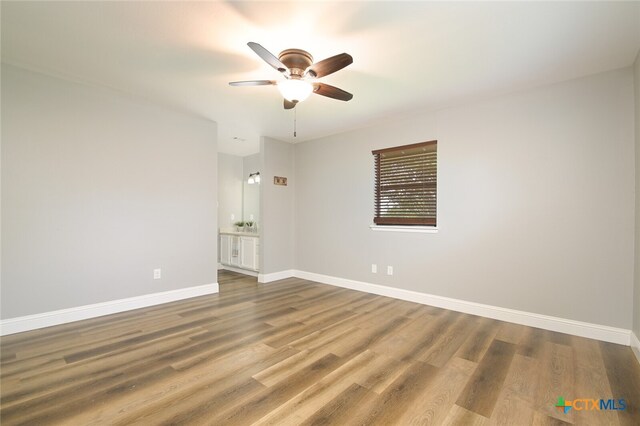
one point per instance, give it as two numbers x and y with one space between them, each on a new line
406 184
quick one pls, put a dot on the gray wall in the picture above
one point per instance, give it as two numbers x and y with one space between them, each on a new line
536 203
97 191
636 297
230 181
277 207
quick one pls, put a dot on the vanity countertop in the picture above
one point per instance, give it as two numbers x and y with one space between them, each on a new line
242 234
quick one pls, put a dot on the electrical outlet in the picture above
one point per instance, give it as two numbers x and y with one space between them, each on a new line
389 270
157 274
374 268
233 216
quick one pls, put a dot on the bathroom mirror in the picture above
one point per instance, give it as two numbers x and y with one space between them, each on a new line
251 202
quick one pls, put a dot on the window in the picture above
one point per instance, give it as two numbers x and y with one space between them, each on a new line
406 184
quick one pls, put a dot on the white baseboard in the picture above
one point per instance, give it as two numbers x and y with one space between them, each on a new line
238 270
562 325
63 316
275 276
635 345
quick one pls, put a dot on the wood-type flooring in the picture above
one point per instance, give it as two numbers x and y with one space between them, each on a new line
298 352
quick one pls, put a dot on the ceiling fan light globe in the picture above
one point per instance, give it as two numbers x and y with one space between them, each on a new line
295 90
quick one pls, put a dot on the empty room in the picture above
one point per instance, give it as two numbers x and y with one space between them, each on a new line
320 213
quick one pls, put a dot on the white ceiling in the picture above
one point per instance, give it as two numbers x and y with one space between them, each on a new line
407 55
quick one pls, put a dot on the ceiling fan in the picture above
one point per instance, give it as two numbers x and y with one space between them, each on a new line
298 68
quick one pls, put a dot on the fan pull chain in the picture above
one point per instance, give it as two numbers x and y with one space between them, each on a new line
295 122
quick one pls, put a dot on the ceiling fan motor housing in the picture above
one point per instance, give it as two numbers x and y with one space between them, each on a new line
296 60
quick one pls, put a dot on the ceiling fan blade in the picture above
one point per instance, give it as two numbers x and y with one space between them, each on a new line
268 57
331 92
329 65
252 83
289 104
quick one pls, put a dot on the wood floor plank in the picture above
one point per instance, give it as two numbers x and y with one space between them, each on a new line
298 352
379 378
541 419
103 349
557 378
624 378
280 371
339 410
482 391
66 378
437 398
442 350
591 379
203 390
459 416
478 341
303 405
361 340
258 406
415 336
509 332
303 330
314 312
532 342
515 402
397 398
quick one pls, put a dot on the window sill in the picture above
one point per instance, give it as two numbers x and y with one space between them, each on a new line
399 228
